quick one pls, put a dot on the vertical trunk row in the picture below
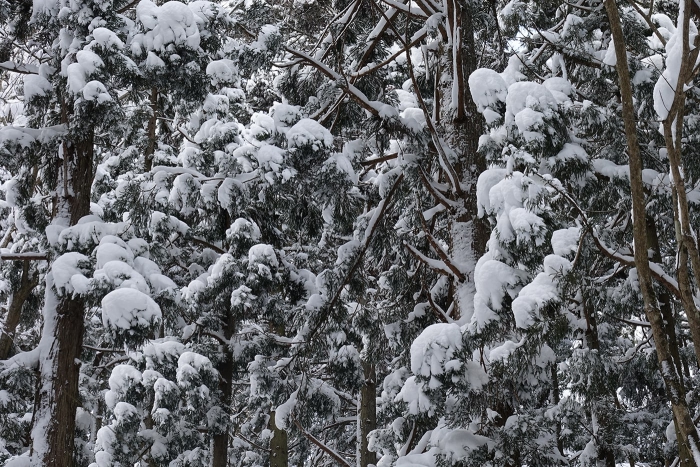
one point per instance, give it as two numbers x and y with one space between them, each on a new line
279 451
673 135
63 396
671 377
653 247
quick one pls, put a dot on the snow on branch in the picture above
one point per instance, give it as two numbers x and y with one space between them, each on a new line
435 264
327 449
359 96
23 256
369 233
22 68
657 271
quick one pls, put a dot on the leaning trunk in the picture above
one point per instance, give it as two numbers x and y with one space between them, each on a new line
674 387
14 311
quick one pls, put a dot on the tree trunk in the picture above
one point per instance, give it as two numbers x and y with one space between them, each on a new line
279 451
69 337
367 415
279 454
151 131
664 299
686 457
62 337
606 457
225 369
556 398
14 311
463 126
676 391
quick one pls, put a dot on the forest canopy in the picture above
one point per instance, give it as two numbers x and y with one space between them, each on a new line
390 233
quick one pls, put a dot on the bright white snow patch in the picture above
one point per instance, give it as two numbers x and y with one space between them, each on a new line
565 241
308 131
35 85
68 273
543 289
488 88
433 347
124 309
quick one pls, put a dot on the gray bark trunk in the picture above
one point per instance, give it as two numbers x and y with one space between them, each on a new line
675 389
279 455
368 415
14 311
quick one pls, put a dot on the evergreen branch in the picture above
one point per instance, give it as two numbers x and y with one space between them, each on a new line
437 310
405 9
583 8
334 21
650 23
404 449
110 363
8 236
24 69
439 197
656 270
127 6
369 234
100 349
359 96
217 337
441 253
422 34
187 137
373 41
444 160
435 264
631 322
205 243
328 450
641 344
340 422
239 435
329 109
379 160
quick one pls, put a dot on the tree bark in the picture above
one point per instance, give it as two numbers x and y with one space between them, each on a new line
463 126
69 337
606 457
279 454
53 432
14 311
279 451
685 456
151 131
225 369
676 391
367 415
